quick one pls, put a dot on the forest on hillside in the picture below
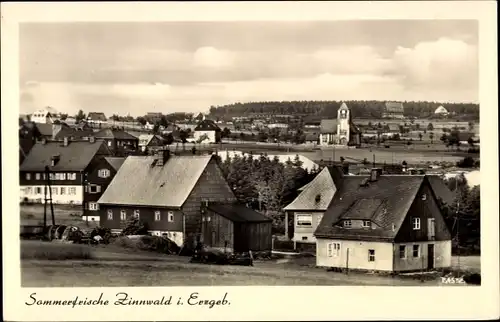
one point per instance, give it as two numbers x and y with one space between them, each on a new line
323 109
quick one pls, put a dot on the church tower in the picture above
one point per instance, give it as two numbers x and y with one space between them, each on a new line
343 124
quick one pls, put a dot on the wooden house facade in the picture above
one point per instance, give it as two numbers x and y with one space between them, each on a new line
384 223
235 228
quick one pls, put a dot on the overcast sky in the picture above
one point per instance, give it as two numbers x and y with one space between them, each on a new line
188 66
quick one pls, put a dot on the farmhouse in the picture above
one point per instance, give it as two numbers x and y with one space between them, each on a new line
308 208
384 223
78 172
166 192
312 138
393 110
149 141
119 142
207 132
96 118
234 227
340 131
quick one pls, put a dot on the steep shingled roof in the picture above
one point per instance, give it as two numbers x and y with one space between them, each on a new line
74 157
207 125
115 162
109 133
323 185
328 126
441 189
238 213
141 183
386 202
96 116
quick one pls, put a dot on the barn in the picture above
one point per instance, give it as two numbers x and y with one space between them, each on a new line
235 228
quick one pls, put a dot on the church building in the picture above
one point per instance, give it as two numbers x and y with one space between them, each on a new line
340 131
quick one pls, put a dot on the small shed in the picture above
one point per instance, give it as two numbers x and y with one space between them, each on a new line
235 228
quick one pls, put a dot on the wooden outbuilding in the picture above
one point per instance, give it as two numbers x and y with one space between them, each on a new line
232 227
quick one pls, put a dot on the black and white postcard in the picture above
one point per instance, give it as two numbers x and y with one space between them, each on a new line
250 161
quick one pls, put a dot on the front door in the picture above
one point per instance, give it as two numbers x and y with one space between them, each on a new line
430 256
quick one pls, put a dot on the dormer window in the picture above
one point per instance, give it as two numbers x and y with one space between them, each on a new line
347 224
367 223
424 197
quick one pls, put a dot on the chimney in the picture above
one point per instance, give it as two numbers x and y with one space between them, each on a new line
92 139
55 159
162 155
66 141
375 174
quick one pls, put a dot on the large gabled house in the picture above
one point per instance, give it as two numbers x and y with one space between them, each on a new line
384 223
393 110
78 173
207 132
96 118
306 211
166 192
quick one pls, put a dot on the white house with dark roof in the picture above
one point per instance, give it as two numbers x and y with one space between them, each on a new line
70 165
45 115
306 211
340 131
386 223
207 132
441 110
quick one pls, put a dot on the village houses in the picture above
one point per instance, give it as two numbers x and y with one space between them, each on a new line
79 172
148 142
168 192
389 223
120 143
393 110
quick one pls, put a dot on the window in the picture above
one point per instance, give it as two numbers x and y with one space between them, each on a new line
304 220
171 216
72 191
62 176
72 176
324 138
136 213
371 255
304 237
93 188
28 176
366 223
347 223
54 191
28 190
104 173
333 249
44 175
93 206
432 228
424 197
110 214
402 251
416 250
123 215
109 143
38 190
63 190
157 216
37 176
416 223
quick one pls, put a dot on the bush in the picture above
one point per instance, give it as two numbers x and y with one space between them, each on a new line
134 227
467 162
148 243
55 251
286 245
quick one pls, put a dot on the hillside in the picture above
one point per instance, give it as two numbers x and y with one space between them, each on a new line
360 109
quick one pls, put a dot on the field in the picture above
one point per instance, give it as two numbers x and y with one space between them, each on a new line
64 215
112 266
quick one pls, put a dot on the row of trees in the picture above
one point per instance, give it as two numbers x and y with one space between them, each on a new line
463 216
359 109
266 184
